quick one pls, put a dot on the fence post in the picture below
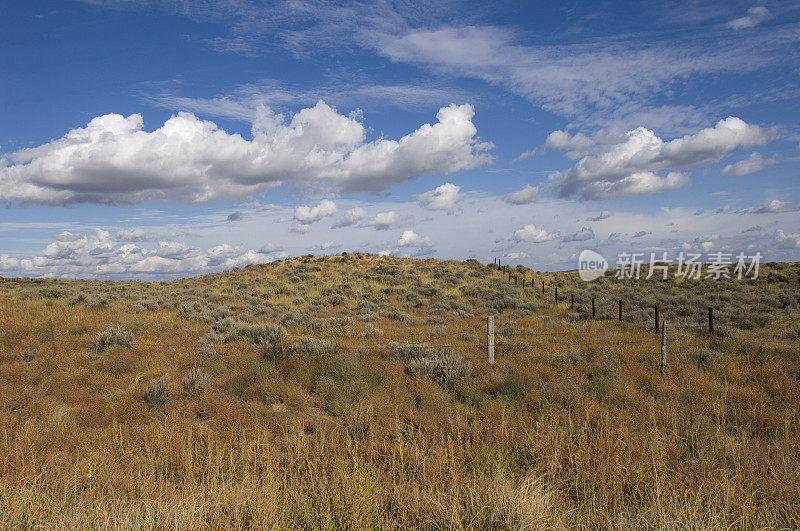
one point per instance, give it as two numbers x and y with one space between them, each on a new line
556 295
542 287
490 339
620 309
523 282
663 346
52 336
571 301
710 321
592 307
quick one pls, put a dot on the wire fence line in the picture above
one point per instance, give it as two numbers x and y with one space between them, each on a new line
509 346
516 344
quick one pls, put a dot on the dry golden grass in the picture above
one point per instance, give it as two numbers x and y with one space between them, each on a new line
575 428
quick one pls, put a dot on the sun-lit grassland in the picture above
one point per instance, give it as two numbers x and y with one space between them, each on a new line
572 426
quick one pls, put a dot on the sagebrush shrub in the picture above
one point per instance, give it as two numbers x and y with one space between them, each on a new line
207 351
411 351
196 380
114 335
266 334
703 357
371 331
446 369
157 394
311 346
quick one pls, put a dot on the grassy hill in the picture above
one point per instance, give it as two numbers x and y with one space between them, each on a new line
354 391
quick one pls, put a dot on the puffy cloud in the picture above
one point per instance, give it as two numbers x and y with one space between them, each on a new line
787 241
635 184
443 197
641 234
755 16
605 214
410 238
307 215
775 206
755 162
113 160
351 217
386 220
563 140
527 194
586 233
627 167
104 255
531 234
235 216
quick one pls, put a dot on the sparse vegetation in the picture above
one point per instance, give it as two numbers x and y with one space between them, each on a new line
115 335
196 380
353 391
446 369
157 394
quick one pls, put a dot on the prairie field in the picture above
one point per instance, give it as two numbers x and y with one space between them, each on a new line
354 391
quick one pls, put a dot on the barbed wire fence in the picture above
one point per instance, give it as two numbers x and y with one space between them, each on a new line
514 345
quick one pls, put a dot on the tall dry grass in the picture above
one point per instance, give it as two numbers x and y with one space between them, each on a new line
577 429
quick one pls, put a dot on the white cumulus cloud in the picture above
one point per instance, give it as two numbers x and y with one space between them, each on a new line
113 160
527 194
104 255
351 217
575 144
532 234
776 206
308 215
410 238
628 167
787 241
755 162
385 220
443 197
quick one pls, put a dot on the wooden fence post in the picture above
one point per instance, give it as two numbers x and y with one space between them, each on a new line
542 287
620 309
592 307
490 339
571 301
52 336
656 329
710 321
663 346
556 295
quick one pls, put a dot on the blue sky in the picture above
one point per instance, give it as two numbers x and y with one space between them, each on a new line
154 139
